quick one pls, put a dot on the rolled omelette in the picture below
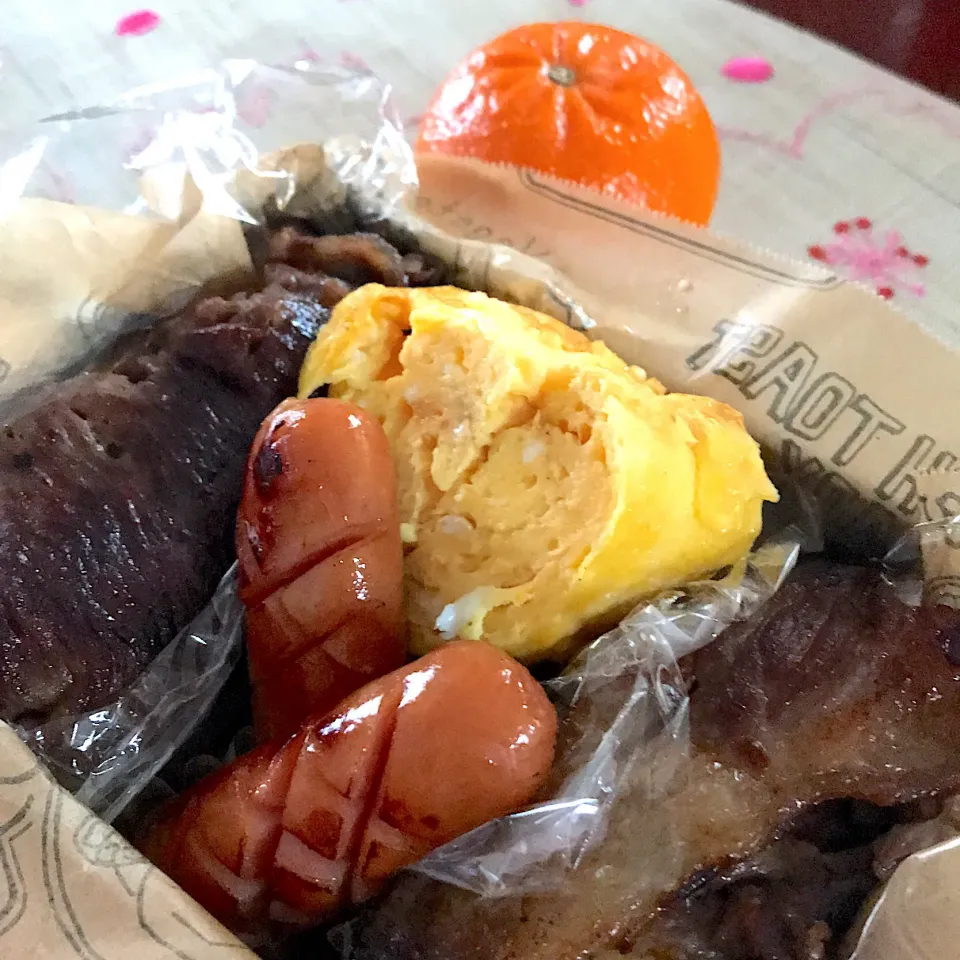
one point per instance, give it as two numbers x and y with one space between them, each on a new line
545 485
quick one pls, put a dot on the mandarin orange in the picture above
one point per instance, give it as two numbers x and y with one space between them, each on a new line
585 103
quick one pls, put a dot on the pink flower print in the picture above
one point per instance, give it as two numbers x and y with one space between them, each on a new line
137 24
860 253
307 58
353 61
748 69
255 106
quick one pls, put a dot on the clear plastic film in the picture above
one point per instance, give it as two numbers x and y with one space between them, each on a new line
703 835
107 755
166 168
912 916
184 168
623 708
200 151
141 202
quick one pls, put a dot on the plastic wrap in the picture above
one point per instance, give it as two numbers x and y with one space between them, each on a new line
912 916
106 756
199 148
147 155
172 170
623 707
157 182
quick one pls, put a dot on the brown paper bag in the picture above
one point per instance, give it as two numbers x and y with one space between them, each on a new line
845 394
96 270
75 888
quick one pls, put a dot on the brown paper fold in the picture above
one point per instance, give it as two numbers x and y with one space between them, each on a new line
916 917
77 889
846 395
73 275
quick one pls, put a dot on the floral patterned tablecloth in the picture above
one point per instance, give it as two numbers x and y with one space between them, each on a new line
833 158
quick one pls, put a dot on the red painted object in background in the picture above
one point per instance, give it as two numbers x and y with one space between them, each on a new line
918 39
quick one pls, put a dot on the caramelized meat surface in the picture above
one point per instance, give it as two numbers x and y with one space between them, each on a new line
119 487
835 698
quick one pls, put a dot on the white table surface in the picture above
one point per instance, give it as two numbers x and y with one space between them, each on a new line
830 138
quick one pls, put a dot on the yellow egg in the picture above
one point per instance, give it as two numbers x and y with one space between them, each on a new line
545 485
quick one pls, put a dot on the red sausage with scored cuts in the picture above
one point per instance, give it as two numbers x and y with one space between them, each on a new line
303 827
320 558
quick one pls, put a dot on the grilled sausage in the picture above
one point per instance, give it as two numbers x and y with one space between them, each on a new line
300 828
321 564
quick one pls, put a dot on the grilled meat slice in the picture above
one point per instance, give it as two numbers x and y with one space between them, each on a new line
834 692
118 487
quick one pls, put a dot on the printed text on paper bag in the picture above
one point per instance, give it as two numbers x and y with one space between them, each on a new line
817 405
